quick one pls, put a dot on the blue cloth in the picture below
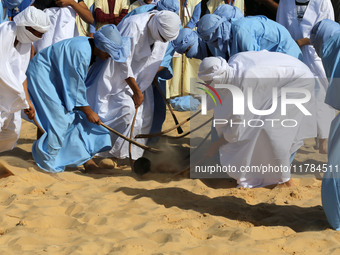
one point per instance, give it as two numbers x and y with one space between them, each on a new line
215 31
195 16
228 11
141 9
168 5
186 103
330 188
321 32
24 4
189 38
159 113
255 33
327 37
108 39
11 4
56 77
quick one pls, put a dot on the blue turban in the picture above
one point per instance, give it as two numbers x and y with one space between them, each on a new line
11 4
168 5
108 39
321 32
215 31
184 40
188 38
229 12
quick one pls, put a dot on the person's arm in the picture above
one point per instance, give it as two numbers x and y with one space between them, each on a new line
271 4
30 111
90 114
303 41
137 97
81 8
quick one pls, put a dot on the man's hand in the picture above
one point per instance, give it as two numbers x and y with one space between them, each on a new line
64 3
138 98
30 111
90 115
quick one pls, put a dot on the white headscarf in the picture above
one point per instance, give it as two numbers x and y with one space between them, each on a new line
31 17
164 24
213 68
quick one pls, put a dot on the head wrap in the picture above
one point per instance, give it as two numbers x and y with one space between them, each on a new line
141 2
164 24
215 31
108 39
188 38
31 17
11 4
321 32
228 12
168 5
184 40
212 68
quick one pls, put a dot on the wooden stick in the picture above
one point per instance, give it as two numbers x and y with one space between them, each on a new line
179 129
38 126
131 132
132 141
168 130
191 131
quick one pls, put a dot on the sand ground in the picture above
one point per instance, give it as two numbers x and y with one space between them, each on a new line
120 213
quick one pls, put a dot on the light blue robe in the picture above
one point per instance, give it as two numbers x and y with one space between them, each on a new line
255 33
330 189
56 77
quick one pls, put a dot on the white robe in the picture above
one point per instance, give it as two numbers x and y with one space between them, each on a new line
110 96
63 26
13 65
316 11
266 145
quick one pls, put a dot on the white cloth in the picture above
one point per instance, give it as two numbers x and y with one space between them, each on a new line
63 26
32 17
13 65
164 24
316 11
110 96
265 145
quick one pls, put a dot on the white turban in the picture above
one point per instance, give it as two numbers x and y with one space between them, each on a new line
164 24
213 67
31 17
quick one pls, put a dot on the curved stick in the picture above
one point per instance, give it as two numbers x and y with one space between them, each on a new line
179 129
38 126
168 130
131 132
191 131
132 141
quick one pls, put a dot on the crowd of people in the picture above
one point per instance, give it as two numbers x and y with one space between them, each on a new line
69 85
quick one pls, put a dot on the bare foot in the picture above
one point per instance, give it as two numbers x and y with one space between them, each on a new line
92 168
323 143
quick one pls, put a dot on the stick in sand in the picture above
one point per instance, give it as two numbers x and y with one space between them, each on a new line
179 129
186 170
132 141
168 130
